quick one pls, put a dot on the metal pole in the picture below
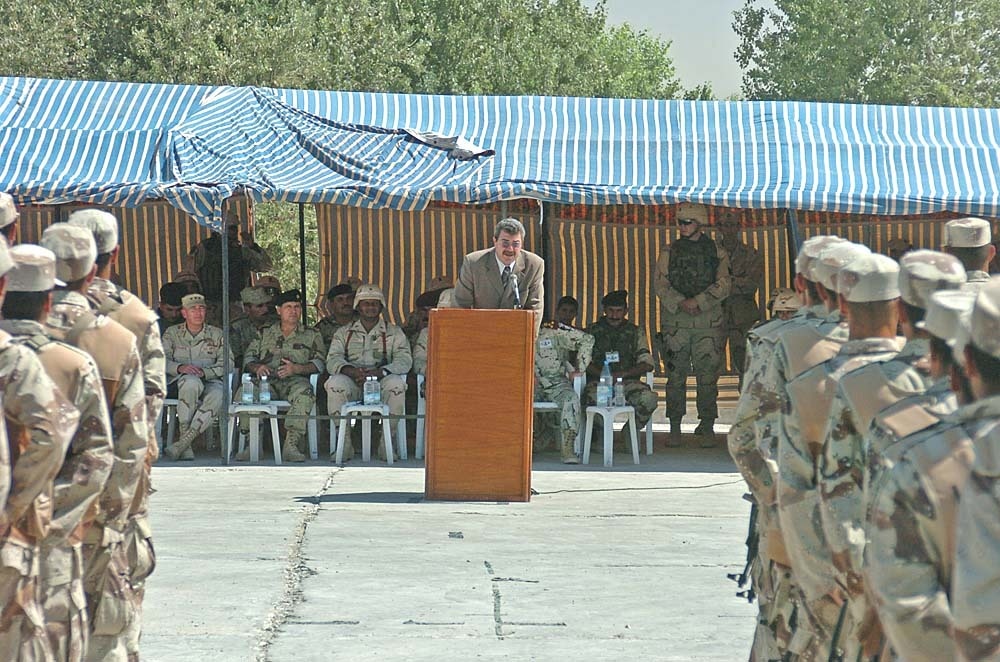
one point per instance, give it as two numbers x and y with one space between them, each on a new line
794 236
302 262
227 364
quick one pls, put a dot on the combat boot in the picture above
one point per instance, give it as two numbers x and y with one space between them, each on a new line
706 432
178 449
290 449
566 451
674 438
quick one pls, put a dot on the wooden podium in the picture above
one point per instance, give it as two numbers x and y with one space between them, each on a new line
480 391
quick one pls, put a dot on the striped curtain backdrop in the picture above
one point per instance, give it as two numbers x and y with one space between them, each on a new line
402 251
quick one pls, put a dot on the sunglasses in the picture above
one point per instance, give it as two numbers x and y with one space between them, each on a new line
685 221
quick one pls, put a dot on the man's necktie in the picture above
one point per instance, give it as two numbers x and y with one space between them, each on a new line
505 276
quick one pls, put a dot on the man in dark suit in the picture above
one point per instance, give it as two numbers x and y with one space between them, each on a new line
505 276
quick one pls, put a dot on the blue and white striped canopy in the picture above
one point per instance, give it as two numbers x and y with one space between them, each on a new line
122 143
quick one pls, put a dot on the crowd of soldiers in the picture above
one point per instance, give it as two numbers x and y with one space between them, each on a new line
867 433
81 385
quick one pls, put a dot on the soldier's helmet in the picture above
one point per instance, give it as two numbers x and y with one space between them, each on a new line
369 292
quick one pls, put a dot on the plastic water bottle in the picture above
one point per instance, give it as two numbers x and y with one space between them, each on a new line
373 391
246 387
619 400
604 387
265 391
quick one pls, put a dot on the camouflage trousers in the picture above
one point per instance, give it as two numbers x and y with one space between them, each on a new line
637 394
299 393
199 402
697 350
141 562
341 389
22 624
111 600
63 601
561 393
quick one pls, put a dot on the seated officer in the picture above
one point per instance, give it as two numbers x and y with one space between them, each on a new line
557 344
623 346
259 314
193 351
287 353
369 346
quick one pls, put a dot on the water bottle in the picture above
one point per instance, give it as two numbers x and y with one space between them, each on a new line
246 396
619 400
265 391
373 391
604 387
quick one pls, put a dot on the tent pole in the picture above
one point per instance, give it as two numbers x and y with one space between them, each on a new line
227 367
302 262
794 235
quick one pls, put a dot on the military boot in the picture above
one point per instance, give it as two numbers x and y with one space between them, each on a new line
179 449
706 432
566 450
674 438
290 449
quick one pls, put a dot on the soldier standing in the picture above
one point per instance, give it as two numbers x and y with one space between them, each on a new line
740 310
623 345
195 360
368 347
692 280
128 310
113 349
287 353
88 462
968 239
40 422
910 532
555 345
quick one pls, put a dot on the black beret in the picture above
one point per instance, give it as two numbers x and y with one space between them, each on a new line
337 290
429 299
288 296
171 293
616 298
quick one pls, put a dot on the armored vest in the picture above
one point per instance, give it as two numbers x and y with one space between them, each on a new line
210 272
693 265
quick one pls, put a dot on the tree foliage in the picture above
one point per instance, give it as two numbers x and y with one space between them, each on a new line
924 52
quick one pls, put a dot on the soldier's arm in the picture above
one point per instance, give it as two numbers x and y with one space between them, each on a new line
643 357
49 421
168 354
88 465
336 358
257 258
420 352
758 399
402 358
745 281
669 297
316 353
154 371
130 433
218 367
718 290
901 570
253 353
584 350
464 290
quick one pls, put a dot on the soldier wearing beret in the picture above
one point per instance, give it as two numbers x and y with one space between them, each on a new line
169 305
340 301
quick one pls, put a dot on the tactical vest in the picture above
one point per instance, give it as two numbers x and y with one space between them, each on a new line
210 273
868 392
805 347
108 345
693 265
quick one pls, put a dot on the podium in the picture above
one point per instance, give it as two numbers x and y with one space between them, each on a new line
480 390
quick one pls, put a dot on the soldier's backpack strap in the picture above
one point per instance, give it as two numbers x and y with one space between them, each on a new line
868 392
807 347
810 396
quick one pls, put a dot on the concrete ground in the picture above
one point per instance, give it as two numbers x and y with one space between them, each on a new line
318 562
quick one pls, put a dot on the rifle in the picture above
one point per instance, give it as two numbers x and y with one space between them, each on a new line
752 543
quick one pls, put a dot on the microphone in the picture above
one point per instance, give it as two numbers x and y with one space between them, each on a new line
517 292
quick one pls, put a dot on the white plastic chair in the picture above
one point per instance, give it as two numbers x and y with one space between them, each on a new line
170 411
271 410
421 417
311 427
541 406
352 410
608 415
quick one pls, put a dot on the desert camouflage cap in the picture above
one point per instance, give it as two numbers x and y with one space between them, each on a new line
692 211
6 263
8 210
74 248
944 312
192 300
447 298
831 259
871 277
104 225
34 269
922 272
785 300
811 248
254 296
985 323
970 232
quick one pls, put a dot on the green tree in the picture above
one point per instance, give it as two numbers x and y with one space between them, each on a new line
923 52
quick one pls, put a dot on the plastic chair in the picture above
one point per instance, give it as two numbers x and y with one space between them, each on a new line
352 410
541 406
608 414
268 409
311 427
421 417
170 411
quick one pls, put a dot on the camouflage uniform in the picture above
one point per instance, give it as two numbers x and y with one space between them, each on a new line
553 348
205 260
242 333
40 423
633 351
975 599
327 327
420 351
75 489
739 309
113 348
200 398
301 346
692 340
384 346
